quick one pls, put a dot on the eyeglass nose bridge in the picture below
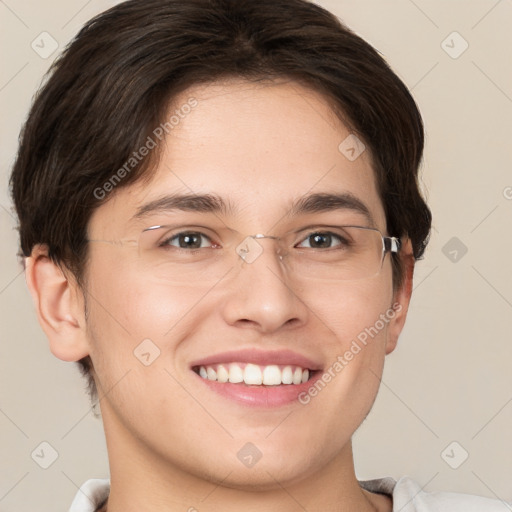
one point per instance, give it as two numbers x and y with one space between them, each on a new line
259 236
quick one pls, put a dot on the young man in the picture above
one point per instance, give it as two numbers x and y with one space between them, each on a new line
220 216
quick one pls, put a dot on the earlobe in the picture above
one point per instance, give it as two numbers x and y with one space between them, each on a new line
402 298
59 310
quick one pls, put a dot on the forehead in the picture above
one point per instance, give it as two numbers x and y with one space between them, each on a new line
261 147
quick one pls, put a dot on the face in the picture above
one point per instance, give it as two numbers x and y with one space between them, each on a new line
261 148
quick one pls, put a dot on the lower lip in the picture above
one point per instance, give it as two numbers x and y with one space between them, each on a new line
261 396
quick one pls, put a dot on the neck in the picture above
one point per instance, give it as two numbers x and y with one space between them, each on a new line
143 480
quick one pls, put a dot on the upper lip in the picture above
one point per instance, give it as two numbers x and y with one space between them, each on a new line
261 357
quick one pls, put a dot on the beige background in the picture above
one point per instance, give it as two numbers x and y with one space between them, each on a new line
450 379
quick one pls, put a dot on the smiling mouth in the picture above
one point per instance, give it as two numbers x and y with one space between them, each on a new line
255 375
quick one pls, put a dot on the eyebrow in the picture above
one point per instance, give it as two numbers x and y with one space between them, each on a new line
213 203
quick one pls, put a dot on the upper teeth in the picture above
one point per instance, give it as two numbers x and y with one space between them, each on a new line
271 375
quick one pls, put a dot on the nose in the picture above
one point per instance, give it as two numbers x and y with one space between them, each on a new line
261 294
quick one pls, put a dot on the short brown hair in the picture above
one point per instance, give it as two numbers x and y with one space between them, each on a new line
113 83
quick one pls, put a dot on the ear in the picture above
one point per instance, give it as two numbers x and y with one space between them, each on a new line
401 298
59 305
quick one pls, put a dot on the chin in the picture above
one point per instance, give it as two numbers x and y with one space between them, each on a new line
264 476
270 468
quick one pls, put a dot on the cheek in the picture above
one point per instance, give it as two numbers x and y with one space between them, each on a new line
350 309
128 302
355 318
134 327
131 316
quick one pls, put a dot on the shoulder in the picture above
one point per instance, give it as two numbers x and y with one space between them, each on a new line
408 496
90 495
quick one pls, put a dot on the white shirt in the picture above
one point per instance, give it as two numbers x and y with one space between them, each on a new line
406 493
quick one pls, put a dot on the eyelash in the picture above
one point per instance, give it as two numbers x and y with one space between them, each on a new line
166 242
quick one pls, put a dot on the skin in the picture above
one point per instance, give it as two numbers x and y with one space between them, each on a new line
173 443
